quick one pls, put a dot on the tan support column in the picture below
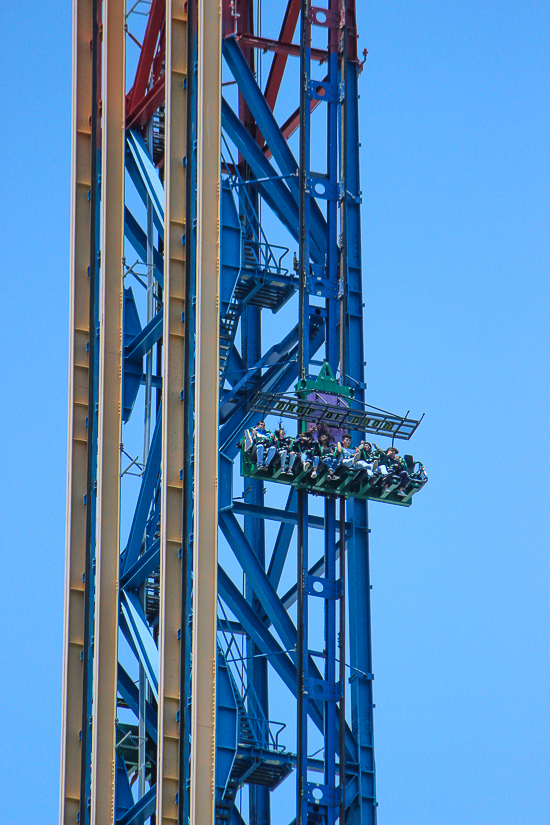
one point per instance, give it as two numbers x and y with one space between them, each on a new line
79 335
109 416
203 674
172 416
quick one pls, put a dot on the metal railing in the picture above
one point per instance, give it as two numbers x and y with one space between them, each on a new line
257 240
265 732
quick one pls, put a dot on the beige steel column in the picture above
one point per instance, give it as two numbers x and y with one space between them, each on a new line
172 416
109 415
203 673
79 335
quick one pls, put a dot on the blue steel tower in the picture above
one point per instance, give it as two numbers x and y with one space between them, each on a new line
215 282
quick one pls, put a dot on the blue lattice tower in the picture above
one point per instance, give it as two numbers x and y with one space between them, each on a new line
191 196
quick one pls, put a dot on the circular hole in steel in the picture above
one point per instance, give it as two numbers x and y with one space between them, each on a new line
320 188
317 794
318 690
318 587
320 16
321 91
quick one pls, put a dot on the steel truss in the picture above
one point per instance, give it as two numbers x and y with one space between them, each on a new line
185 195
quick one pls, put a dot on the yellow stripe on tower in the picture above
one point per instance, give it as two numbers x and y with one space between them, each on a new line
203 673
75 554
109 415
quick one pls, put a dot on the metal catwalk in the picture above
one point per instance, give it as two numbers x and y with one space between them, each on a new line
217 660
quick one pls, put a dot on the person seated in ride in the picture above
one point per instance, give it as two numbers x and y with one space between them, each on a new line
323 455
383 461
312 430
395 466
286 451
264 440
345 453
365 460
322 429
305 446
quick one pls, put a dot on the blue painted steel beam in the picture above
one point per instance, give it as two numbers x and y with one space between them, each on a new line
142 810
140 636
138 238
257 576
145 565
130 693
263 638
274 356
146 339
364 811
235 369
277 379
156 381
235 818
138 160
284 537
259 108
271 131
270 601
317 569
136 178
148 483
277 656
123 793
254 531
287 516
274 191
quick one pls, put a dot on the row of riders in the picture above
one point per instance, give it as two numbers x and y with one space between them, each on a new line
315 455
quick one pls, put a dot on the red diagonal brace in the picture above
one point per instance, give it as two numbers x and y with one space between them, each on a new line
145 62
147 106
279 61
293 122
159 57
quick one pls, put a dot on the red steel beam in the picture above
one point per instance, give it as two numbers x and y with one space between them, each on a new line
245 27
158 62
352 31
279 47
277 70
147 106
292 123
154 23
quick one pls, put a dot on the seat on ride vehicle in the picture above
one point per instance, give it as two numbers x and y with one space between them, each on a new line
346 485
414 467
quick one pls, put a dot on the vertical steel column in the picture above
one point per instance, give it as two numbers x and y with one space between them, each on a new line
174 542
302 657
203 672
142 735
302 662
79 378
342 661
188 412
333 354
251 350
363 812
109 415
305 199
254 528
330 715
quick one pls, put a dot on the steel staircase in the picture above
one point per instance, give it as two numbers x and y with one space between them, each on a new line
259 279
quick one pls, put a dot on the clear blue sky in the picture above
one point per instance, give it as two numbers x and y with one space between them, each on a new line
455 163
